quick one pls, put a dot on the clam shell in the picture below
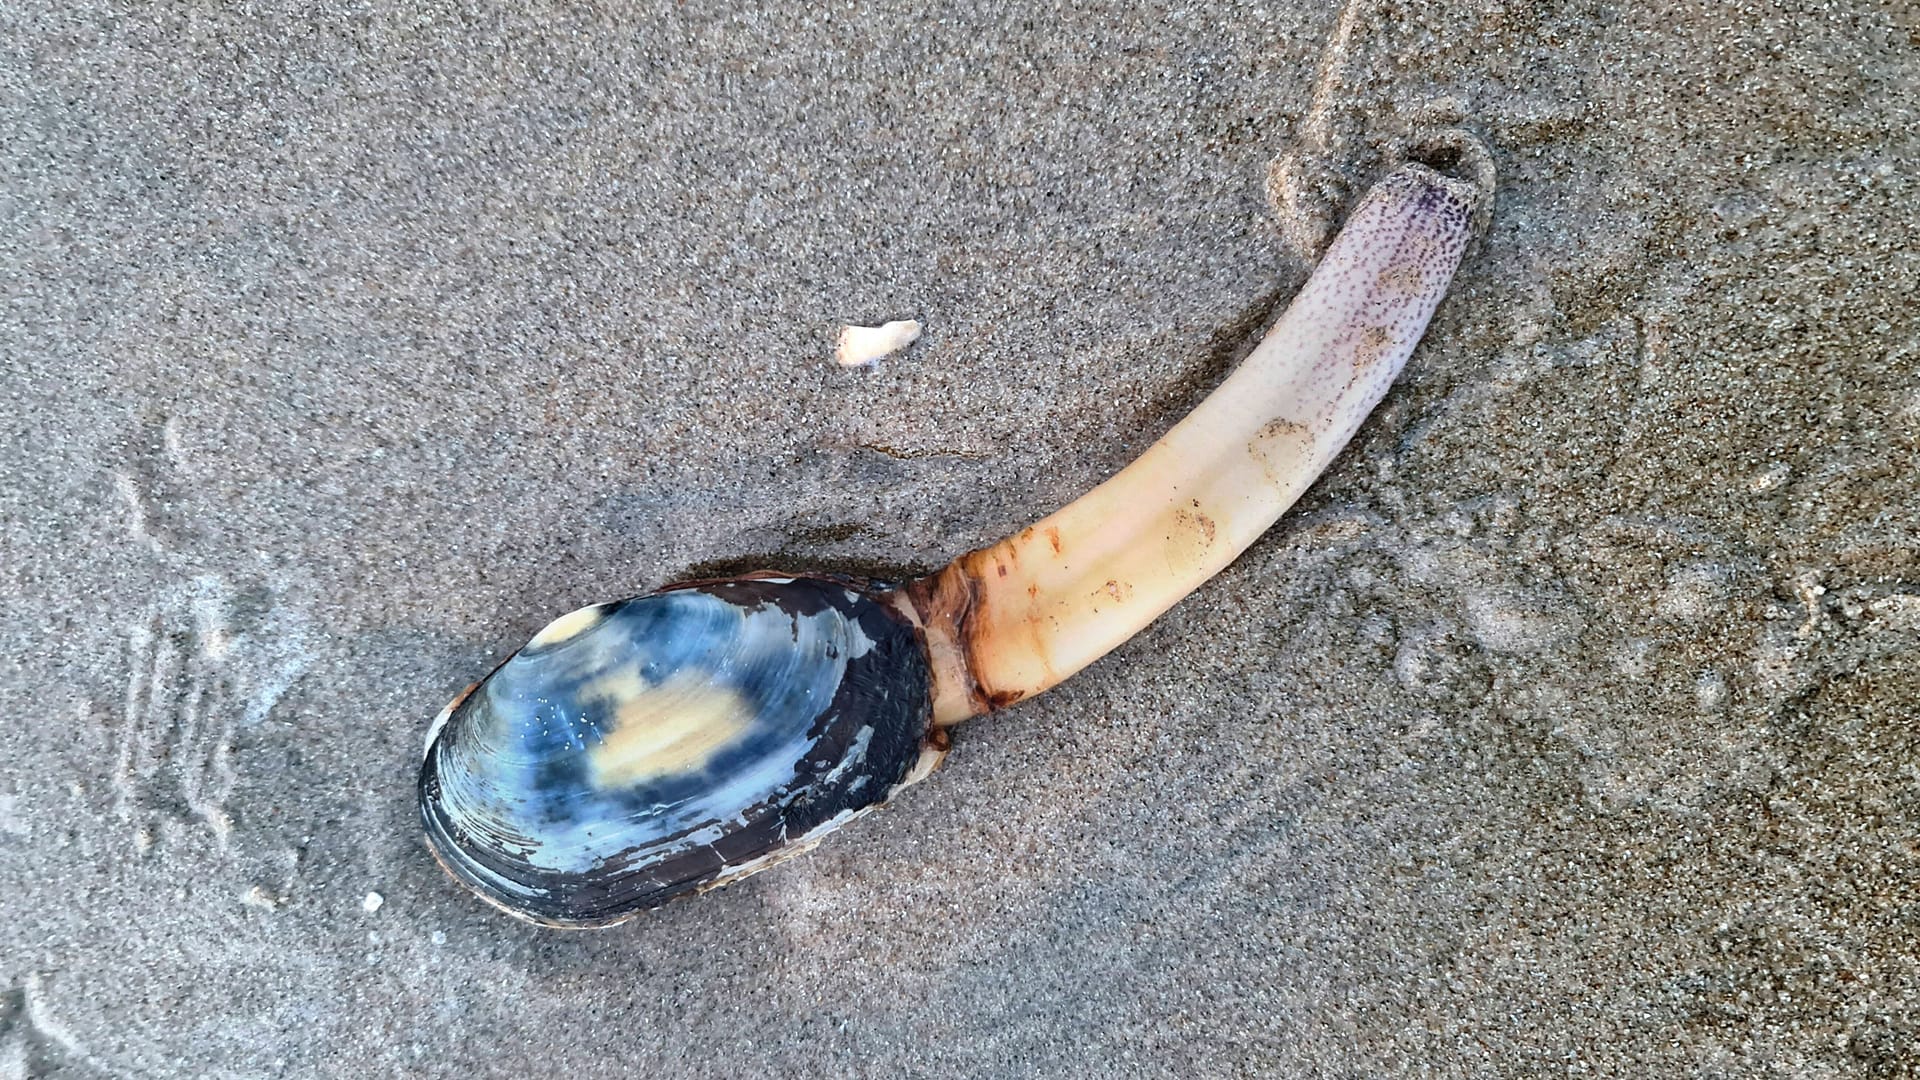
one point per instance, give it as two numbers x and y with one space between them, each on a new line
637 751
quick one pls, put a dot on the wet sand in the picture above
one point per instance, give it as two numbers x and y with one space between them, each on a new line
1565 728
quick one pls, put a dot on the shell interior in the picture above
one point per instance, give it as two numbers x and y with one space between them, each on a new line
637 751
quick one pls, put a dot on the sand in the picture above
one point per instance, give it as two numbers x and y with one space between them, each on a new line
1566 728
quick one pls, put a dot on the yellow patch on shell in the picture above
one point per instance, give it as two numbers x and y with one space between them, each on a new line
616 687
668 729
568 626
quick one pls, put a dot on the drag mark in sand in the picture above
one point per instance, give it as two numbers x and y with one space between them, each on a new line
1302 187
1316 129
175 753
33 1045
203 661
1363 109
147 484
210 654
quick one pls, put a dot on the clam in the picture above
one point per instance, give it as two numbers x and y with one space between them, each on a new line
641 750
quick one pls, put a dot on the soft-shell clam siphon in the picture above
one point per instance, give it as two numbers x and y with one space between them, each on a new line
649 748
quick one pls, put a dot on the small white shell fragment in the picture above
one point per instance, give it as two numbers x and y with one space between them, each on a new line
862 345
372 903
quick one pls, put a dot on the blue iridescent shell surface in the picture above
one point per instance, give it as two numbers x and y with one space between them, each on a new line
636 751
